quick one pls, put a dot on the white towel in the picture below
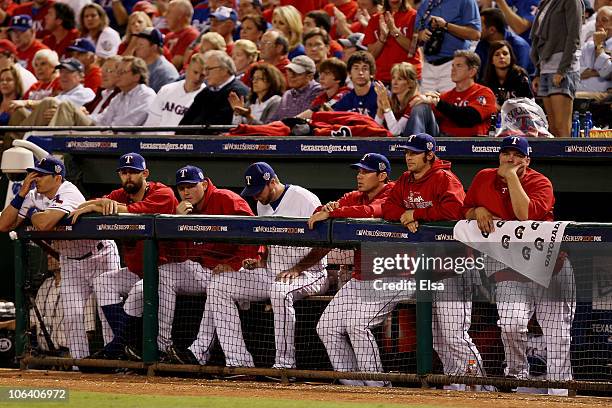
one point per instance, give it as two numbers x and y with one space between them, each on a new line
529 247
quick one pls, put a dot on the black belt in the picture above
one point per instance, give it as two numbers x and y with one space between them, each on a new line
99 247
440 61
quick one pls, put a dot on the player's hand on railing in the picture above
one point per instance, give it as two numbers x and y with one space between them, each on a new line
184 208
484 219
222 268
251 263
109 207
320 216
80 211
331 206
412 226
288 275
407 217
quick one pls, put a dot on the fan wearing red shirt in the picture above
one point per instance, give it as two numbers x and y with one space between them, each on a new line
36 9
191 274
346 7
137 196
465 110
514 191
22 35
181 33
85 51
346 314
60 23
389 38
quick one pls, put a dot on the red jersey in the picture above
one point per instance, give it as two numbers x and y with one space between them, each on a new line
392 52
40 90
488 190
178 42
304 6
348 9
158 199
37 14
60 47
437 196
324 98
282 67
219 201
476 96
93 78
26 56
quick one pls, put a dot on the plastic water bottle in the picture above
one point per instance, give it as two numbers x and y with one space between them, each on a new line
588 124
576 125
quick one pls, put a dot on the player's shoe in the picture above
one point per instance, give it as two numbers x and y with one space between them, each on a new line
182 356
132 353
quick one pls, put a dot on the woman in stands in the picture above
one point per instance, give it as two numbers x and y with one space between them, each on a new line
44 64
93 22
504 76
10 90
397 112
244 53
288 20
253 27
137 22
267 86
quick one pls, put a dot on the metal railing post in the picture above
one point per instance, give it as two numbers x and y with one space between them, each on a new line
151 300
21 311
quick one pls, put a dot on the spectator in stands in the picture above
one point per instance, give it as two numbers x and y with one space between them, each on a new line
274 48
366 9
288 20
211 105
181 33
137 22
23 36
520 15
352 44
85 51
8 55
44 63
588 28
223 21
596 58
129 108
404 88
173 100
212 41
332 77
268 84
149 47
503 76
362 99
389 37
252 27
320 19
10 90
302 88
61 24
555 52
452 25
345 327
36 9
117 11
346 9
244 54
72 91
93 22
465 110
316 44
249 7
494 28
108 89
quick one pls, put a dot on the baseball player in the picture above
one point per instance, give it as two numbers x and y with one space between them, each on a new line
195 262
137 196
430 191
356 308
284 275
81 261
514 191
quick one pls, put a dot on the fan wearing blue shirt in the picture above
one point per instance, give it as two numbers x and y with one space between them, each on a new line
520 15
362 98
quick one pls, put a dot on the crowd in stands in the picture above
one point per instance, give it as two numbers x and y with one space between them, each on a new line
437 66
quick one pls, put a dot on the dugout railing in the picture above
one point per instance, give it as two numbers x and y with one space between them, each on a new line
405 340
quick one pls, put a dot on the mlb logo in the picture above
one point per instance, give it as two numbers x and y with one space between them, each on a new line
482 100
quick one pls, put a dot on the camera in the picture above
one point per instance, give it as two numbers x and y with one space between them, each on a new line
18 158
434 44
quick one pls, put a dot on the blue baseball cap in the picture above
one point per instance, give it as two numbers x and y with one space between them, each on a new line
154 36
256 177
71 64
373 162
421 142
132 161
21 22
49 165
517 143
189 175
82 45
225 13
